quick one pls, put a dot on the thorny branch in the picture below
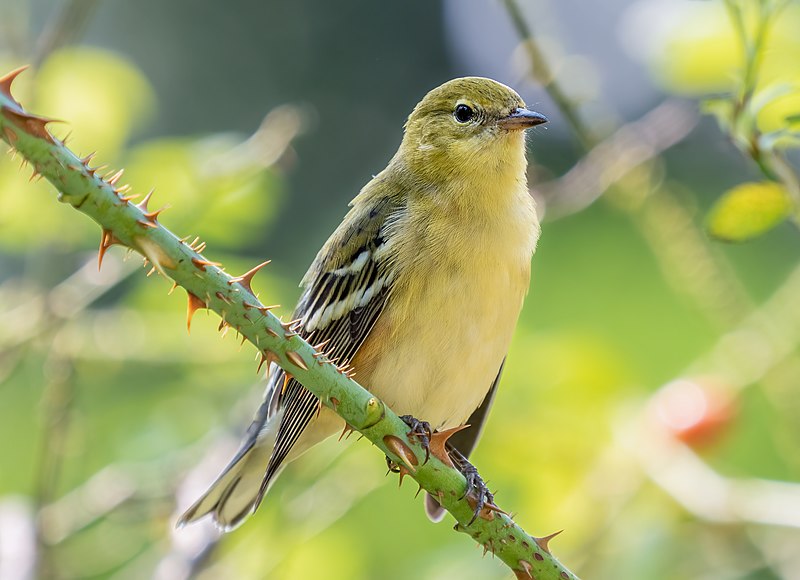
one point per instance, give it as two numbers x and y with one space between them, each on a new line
136 226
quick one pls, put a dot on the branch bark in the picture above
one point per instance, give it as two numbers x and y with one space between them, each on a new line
137 227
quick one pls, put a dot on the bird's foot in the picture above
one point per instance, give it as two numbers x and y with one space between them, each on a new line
421 431
476 491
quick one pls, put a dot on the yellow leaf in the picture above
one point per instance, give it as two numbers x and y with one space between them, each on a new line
748 210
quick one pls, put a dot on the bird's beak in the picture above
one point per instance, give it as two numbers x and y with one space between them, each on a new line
522 119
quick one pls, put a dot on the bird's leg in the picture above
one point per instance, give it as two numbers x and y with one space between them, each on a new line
421 431
475 484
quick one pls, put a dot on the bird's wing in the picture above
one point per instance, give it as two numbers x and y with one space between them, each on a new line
346 289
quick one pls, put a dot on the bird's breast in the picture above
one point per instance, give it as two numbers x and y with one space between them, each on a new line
440 342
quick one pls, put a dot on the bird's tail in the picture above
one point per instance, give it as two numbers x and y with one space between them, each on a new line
239 489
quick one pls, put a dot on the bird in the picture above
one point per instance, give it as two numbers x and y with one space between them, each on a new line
418 290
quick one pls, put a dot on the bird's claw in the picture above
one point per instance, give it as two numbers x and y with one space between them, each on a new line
421 431
476 487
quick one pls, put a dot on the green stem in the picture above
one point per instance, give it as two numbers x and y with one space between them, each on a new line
209 286
544 75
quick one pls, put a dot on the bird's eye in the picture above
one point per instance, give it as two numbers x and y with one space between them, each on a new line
463 114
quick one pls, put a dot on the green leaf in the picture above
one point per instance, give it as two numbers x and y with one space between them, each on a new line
748 210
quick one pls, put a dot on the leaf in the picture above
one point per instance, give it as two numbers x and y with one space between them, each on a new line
773 92
748 210
781 139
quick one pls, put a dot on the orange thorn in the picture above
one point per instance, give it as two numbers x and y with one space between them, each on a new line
7 80
93 170
107 240
265 309
31 124
438 441
525 572
401 450
142 205
171 290
115 178
86 160
334 403
261 362
403 472
194 304
321 345
268 357
272 332
346 431
544 542
246 278
153 215
296 359
145 224
488 510
202 264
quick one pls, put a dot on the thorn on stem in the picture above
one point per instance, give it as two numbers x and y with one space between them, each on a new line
32 124
247 278
107 240
7 80
296 359
438 444
201 264
401 450
115 178
544 541
194 305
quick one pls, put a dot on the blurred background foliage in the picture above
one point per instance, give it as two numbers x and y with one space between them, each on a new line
650 402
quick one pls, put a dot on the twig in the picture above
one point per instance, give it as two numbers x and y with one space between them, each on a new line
540 71
629 147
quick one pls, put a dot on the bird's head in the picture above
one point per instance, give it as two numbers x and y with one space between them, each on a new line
468 124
